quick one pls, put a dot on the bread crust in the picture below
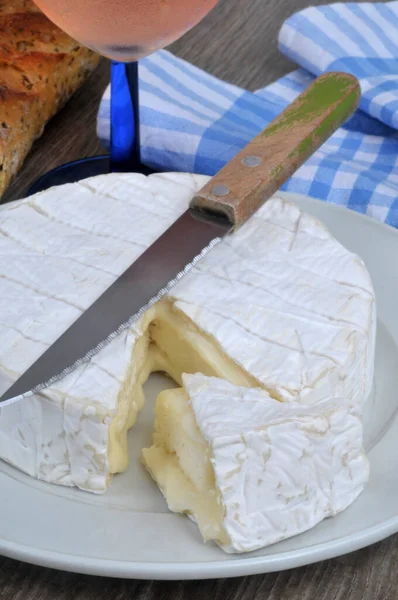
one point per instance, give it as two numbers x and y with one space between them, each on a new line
40 68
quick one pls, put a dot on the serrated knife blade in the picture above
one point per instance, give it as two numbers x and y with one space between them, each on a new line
223 205
145 282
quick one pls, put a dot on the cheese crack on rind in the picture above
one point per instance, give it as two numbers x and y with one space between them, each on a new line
280 305
251 471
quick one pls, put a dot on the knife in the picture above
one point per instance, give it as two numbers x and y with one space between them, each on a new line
221 207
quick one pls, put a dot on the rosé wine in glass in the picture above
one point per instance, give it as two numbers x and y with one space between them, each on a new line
126 30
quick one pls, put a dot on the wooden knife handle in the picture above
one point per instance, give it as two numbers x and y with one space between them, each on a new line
258 171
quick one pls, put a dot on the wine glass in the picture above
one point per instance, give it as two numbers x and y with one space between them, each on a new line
124 31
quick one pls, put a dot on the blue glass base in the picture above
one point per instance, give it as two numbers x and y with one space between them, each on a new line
81 169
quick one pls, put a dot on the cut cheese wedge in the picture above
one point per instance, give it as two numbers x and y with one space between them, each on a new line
280 305
251 471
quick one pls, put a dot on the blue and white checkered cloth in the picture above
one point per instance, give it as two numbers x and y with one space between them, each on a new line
192 121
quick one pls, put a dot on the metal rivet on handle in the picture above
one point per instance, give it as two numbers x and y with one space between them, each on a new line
252 161
220 190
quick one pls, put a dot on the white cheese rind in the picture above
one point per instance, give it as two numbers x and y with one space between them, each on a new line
61 435
280 298
280 468
64 247
290 305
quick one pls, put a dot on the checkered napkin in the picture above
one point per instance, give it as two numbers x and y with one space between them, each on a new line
192 121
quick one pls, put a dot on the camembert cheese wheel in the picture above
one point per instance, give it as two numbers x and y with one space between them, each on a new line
279 306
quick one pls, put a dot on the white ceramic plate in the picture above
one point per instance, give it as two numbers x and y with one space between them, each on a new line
129 531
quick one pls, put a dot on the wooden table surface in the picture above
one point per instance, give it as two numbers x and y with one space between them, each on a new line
236 42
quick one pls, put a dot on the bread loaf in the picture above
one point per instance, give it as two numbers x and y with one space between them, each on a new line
40 68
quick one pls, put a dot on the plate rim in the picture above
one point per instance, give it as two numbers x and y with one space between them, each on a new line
236 567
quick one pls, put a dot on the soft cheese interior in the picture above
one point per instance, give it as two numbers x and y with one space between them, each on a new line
170 343
280 306
180 462
251 471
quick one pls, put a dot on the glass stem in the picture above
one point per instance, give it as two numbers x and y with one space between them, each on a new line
125 154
